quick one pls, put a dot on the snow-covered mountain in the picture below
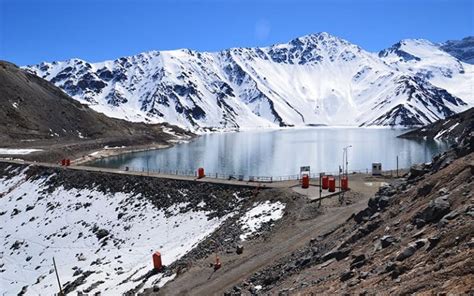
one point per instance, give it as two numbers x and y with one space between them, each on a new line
461 49
311 80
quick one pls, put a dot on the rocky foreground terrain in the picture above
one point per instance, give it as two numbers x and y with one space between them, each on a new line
102 228
416 235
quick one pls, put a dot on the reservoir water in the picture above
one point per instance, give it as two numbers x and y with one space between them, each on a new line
282 152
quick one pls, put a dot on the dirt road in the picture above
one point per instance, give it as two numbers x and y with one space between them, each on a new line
294 231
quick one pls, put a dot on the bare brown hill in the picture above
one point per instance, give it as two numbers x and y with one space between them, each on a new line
34 112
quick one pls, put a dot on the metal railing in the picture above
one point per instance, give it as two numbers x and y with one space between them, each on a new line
237 177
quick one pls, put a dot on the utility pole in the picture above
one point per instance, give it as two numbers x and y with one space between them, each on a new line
347 160
61 293
320 188
343 159
147 166
345 152
397 166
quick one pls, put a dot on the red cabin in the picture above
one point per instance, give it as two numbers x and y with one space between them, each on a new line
305 181
344 183
325 184
218 263
201 173
157 261
332 184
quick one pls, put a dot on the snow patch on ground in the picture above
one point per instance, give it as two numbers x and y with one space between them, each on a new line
261 213
112 235
443 131
9 151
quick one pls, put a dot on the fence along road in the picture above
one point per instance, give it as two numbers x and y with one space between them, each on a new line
150 173
239 180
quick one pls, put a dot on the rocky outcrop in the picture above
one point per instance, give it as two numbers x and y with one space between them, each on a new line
450 128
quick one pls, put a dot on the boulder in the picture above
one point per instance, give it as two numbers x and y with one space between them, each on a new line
389 267
397 271
379 201
436 209
270 279
417 171
346 275
433 242
101 233
386 240
373 202
406 253
425 190
420 243
362 231
303 262
363 215
337 254
369 227
384 202
451 215
358 261
374 217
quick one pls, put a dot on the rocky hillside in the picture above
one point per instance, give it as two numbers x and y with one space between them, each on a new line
102 229
451 128
33 109
311 80
415 236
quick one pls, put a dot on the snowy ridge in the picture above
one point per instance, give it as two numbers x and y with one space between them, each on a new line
461 49
429 62
106 238
312 80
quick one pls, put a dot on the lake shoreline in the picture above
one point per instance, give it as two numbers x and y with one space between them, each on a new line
117 151
247 152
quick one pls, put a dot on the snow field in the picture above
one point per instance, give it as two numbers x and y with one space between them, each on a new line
37 225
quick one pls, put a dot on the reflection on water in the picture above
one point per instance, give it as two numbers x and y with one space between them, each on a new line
282 152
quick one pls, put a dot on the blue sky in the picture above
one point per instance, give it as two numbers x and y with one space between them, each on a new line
32 31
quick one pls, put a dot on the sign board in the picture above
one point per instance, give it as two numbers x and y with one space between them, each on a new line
376 168
304 169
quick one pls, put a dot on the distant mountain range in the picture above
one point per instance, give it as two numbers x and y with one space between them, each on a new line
312 80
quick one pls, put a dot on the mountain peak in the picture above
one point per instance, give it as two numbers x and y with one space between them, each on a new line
320 37
315 78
